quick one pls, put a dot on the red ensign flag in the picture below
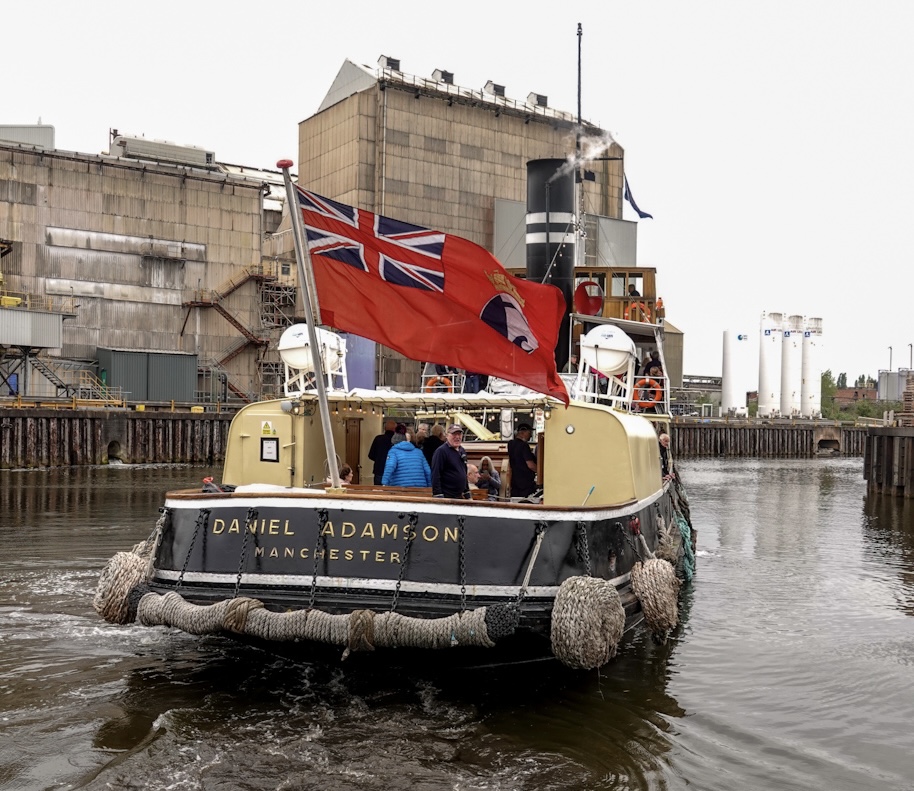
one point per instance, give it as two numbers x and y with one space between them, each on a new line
431 296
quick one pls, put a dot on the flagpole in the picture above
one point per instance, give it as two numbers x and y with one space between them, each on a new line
303 259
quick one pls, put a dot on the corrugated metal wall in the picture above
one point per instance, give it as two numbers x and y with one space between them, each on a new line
21 327
172 377
127 370
149 376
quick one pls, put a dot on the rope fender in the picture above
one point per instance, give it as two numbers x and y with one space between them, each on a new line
656 585
361 630
121 574
587 622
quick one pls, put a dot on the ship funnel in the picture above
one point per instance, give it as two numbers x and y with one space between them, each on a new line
551 226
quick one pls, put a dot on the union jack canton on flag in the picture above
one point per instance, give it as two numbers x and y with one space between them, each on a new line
402 254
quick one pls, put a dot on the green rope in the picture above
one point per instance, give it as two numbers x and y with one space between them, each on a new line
688 556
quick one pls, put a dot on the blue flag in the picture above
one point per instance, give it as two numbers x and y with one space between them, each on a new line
628 196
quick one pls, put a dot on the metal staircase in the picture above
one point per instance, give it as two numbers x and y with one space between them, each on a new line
77 383
54 375
212 298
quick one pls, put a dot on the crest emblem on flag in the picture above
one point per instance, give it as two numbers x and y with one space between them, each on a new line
504 315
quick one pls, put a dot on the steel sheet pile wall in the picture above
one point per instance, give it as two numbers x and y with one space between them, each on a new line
888 464
55 438
764 441
39 439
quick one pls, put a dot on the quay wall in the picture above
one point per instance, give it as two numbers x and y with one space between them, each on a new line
760 440
888 463
64 438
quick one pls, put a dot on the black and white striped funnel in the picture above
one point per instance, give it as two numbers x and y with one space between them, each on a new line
551 234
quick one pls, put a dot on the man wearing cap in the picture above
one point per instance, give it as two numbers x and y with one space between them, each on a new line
449 466
523 462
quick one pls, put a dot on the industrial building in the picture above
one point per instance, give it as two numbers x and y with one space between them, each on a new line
154 249
150 249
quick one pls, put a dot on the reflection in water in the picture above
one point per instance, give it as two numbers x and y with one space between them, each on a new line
791 668
888 527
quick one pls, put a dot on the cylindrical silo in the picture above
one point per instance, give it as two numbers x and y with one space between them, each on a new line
791 363
811 384
769 365
735 378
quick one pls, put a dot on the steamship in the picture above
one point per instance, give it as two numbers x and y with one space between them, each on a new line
278 550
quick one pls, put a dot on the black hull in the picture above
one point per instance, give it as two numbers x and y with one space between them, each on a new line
506 582
421 560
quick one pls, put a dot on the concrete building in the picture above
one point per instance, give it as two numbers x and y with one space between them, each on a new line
160 248
163 257
452 158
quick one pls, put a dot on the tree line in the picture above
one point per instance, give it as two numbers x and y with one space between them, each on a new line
860 407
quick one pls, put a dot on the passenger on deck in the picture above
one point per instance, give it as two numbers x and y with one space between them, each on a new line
421 435
433 441
523 462
571 367
632 291
346 474
473 477
406 466
666 464
449 467
380 446
489 478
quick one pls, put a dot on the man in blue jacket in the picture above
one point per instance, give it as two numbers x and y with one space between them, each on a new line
406 465
449 467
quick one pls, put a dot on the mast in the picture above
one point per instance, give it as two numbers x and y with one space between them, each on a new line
580 238
303 260
579 169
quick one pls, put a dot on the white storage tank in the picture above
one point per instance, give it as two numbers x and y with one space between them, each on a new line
607 349
295 350
791 363
769 365
736 373
811 383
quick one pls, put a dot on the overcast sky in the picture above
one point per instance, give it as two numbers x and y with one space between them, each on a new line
773 142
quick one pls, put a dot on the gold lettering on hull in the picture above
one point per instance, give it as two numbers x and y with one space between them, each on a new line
304 553
429 533
274 527
342 531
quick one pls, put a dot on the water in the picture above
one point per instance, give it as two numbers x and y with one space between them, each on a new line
793 669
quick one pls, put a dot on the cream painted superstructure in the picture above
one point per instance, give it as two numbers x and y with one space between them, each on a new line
613 451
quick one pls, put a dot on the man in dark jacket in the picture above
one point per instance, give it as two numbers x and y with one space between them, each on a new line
523 462
380 446
449 467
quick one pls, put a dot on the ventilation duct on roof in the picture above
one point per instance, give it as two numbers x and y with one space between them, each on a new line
495 90
447 77
538 99
386 62
160 151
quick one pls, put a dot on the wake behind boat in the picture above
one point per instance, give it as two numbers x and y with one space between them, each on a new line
282 551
